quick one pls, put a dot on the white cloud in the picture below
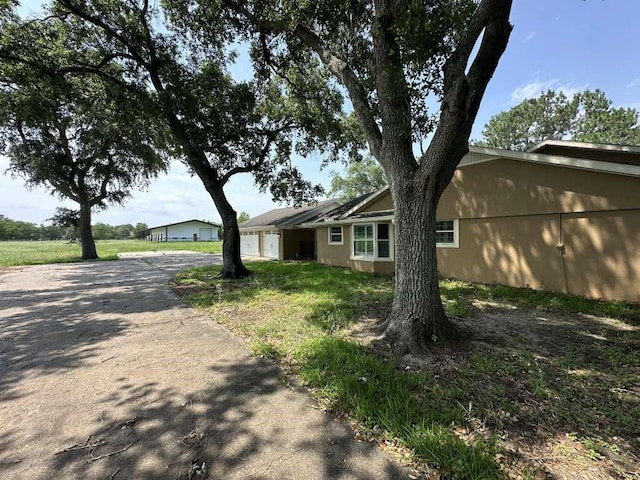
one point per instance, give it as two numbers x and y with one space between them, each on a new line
634 83
530 90
535 88
530 36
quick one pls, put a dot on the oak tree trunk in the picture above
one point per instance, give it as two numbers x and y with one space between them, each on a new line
417 317
86 235
232 266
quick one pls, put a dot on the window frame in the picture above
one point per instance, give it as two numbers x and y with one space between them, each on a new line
341 242
374 257
456 234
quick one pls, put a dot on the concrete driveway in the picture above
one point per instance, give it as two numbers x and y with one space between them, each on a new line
105 374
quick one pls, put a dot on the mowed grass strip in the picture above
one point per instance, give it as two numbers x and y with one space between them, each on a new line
472 410
43 252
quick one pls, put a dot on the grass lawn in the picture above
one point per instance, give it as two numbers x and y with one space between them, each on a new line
543 385
35 253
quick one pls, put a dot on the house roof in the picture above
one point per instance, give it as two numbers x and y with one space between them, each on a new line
341 209
486 154
605 147
287 217
625 154
185 221
349 211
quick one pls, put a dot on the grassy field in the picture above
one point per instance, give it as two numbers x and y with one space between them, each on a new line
35 253
543 385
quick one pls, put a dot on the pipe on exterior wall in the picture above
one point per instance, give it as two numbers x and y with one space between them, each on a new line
562 250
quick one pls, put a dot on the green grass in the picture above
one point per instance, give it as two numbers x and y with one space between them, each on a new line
41 252
459 294
453 416
295 312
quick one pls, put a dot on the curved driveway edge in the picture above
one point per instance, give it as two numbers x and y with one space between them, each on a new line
105 374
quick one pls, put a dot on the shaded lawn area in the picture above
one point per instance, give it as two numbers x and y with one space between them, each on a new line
541 385
43 252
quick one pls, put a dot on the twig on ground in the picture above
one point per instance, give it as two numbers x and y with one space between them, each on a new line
147 405
107 359
111 454
86 445
130 422
113 475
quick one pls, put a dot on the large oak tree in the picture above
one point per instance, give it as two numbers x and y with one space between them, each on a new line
392 57
80 138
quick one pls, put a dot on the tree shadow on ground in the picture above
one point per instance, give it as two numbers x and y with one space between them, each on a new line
247 424
564 390
55 330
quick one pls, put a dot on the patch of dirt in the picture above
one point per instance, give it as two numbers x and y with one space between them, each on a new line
562 392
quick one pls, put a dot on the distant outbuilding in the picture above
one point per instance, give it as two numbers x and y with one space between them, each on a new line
187 231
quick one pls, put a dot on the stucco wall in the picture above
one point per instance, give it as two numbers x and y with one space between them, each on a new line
381 204
517 251
601 255
339 255
511 188
512 217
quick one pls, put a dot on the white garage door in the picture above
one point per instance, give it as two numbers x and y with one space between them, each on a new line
249 244
270 244
205 234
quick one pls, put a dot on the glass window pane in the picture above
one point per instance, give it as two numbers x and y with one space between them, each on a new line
369 231
444 237
444 225
363 248
383 231
383 248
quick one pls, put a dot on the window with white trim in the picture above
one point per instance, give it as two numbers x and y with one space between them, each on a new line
363 240
335 235
372 241
447 233
384 240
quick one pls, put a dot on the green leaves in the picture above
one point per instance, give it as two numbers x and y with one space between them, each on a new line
588 116
361 177
80 137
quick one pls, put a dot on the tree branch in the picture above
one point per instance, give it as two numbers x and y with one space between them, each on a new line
463 92
357 93
81 13
264 153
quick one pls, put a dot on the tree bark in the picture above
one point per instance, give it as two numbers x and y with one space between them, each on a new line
417 317
86 236
232 266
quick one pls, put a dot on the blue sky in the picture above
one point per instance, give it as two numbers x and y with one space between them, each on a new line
567 45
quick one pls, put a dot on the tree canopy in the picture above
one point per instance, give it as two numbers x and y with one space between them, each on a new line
359 178
81 138
391 58
218 126
587 116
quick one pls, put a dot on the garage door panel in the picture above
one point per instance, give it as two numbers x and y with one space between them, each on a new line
270 246
249 244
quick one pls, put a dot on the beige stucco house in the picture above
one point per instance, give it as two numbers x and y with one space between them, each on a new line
278 233
564 216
